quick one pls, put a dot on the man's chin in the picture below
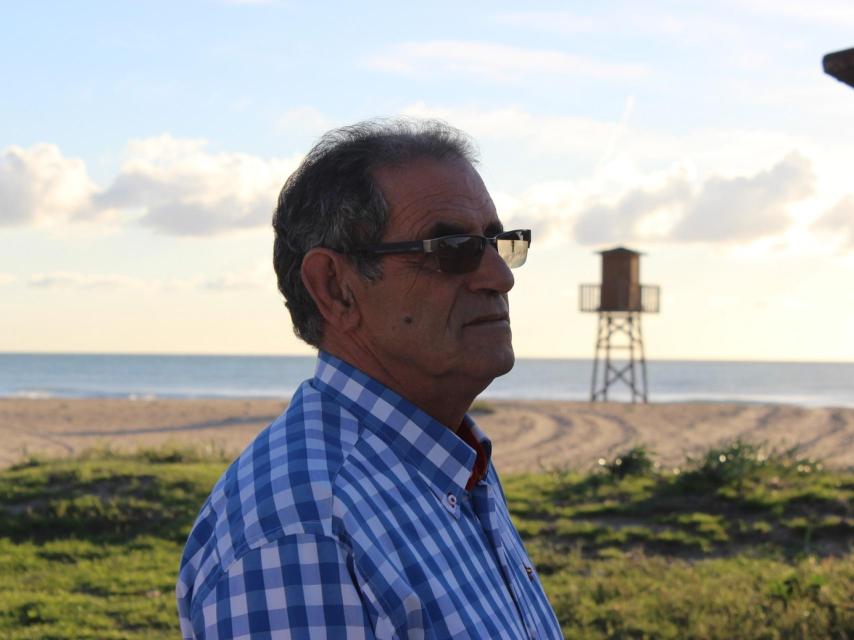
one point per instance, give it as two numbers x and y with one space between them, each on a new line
503 362
511 360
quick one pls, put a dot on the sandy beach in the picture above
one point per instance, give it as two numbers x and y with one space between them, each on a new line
527 435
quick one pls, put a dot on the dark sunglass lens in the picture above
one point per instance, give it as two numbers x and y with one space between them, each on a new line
460 254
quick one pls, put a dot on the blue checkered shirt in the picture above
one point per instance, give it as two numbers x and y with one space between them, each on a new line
348 517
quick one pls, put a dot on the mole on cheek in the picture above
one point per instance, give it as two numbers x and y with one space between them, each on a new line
407 319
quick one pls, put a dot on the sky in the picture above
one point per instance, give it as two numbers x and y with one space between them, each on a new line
143 145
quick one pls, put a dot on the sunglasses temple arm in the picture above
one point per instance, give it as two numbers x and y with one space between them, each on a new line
400 247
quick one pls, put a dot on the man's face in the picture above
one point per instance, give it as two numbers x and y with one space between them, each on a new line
421 324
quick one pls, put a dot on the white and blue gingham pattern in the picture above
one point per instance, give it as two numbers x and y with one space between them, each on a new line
348 518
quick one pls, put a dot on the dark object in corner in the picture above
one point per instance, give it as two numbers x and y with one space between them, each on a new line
840 65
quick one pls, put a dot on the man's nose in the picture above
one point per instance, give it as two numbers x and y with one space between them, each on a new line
492 273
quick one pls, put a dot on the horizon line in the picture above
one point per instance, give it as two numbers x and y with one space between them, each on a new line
300 355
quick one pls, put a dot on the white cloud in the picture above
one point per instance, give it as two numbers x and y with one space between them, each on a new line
734 210
622 220
261 275
494 61
748 208
182 189
175 186
256 277
40 186
6 278
75 280
838 223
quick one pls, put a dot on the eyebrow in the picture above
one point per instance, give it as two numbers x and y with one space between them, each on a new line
441 229
494 228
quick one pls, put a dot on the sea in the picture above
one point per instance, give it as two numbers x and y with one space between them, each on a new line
204 376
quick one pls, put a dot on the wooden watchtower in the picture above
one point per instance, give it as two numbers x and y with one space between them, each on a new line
619 301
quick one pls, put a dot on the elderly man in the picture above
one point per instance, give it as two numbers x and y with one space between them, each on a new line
370 509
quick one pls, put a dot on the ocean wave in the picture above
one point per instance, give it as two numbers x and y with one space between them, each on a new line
29 394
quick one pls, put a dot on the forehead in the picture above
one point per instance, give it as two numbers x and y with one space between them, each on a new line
426 194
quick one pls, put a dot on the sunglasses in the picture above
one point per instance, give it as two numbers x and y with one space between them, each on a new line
461 253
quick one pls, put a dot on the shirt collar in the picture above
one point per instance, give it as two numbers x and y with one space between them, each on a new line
441 457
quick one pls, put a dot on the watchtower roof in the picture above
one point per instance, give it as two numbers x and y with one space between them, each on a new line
620 250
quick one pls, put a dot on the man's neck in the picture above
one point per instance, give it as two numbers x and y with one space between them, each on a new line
444 399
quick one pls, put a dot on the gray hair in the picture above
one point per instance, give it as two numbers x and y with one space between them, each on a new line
332 201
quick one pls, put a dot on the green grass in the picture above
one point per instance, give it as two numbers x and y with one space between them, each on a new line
738 544
89 548
732 500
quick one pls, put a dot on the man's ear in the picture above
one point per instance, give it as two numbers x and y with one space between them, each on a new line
325 274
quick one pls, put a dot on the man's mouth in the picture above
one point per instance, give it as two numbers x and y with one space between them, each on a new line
495 318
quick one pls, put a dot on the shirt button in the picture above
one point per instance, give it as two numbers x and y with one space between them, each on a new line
452 500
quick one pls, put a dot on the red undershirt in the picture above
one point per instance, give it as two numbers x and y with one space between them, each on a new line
480 463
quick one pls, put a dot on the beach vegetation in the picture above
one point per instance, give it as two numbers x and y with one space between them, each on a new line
637 461
89 547
732 464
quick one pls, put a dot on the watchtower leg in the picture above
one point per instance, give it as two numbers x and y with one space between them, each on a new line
627 324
